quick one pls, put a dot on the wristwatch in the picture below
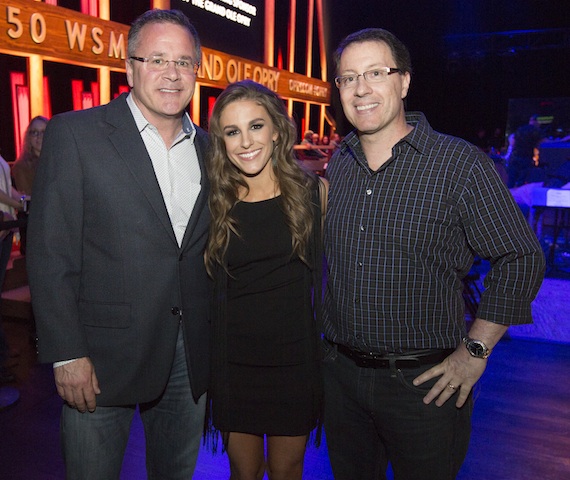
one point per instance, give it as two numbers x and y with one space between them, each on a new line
476 348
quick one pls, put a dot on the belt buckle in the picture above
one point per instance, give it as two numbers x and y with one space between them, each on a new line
373 360
365 362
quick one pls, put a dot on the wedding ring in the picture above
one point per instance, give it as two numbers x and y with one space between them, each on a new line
451 386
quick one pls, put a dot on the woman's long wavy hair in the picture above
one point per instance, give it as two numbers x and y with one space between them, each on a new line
226 181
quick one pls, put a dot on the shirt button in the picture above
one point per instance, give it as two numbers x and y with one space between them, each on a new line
360 264
369 191
362 228
175 311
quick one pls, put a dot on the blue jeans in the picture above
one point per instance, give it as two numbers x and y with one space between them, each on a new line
94 443
375 416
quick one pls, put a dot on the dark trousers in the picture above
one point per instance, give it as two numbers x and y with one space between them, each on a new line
5 251
376 416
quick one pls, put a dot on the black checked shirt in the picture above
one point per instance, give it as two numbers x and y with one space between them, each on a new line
399 240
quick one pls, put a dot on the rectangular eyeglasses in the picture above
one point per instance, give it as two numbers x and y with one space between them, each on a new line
371 76
158 64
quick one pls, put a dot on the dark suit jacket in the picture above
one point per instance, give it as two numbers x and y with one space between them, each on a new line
108 280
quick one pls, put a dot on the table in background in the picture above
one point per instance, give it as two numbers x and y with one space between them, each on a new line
556 200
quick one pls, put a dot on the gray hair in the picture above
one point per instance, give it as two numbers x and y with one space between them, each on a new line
162 16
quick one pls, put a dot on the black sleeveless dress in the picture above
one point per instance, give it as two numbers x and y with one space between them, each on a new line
268 380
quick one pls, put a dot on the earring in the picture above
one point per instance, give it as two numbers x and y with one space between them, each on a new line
273 157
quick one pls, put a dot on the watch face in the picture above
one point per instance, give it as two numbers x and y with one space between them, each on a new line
476 349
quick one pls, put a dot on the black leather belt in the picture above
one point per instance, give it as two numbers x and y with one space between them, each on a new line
413 359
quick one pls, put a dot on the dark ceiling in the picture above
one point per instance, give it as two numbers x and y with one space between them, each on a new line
465 67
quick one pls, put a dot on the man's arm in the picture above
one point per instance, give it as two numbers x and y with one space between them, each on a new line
54 262
11 200
461 370
497 231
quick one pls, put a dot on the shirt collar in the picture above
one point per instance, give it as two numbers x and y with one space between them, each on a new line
142 122
420 138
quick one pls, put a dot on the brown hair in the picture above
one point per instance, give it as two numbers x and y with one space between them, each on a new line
294 182
27 150
399 51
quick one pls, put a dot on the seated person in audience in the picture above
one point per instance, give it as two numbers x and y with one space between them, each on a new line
312 150
335 141
325 142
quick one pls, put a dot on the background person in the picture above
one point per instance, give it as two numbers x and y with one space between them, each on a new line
521 162
265 256
325 141
408 210
309 140
117 232
335 141
10 202
24 168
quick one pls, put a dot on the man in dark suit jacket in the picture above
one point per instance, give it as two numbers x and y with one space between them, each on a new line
115 260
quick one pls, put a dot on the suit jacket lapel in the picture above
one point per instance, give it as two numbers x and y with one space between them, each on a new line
200 142
128 142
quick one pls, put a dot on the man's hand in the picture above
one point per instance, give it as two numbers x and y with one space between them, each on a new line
459 372
77 384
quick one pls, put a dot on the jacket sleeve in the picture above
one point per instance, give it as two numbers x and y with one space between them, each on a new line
55 245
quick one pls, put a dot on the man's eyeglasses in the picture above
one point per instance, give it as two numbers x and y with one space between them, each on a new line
159 64
377 75
36 133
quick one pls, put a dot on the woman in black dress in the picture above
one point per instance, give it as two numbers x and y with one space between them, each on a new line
265 256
